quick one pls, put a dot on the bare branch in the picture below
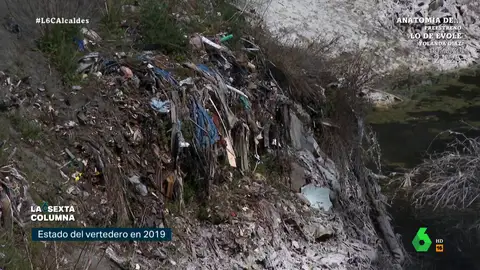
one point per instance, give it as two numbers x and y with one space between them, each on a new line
450 179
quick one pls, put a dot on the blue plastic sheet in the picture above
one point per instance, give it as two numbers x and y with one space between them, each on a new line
206 69
165 75
109 67
160 105
80 44
206 132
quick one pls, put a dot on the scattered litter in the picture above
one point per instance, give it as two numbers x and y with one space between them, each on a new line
90 34
77 176
237 91
11 26
213 44
226 38
165 75
70 124
187 81
76 87
205 133
80 44
139 187
127 72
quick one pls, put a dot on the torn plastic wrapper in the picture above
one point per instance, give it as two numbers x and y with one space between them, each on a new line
181 139
177 140
206 69
165 75
90 34
80 44
221 92
86 63
241 144
187 81
109 67
213 44
127 72
233 89
161 106
227 137
226 38
245 103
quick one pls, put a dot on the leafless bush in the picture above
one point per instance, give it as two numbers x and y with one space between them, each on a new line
309 70
450 179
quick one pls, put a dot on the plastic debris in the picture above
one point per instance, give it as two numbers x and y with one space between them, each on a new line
318 197
206 69
165 75
232 159
77 176
80 44
213 44
196 42
86 63
226 38
187 81
109 67
139 187
205 133
127 72
161 106
90 34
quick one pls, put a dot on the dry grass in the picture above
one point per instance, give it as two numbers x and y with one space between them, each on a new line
306 73
450 179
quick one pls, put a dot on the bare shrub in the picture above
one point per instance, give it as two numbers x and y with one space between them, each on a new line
307 72
450 179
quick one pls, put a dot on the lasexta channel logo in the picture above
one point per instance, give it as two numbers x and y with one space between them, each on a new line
422 241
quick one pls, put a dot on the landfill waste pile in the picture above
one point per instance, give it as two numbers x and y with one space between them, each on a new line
143 132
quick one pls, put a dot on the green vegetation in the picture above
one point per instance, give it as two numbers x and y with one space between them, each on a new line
59 46
14 247
158 26
28 129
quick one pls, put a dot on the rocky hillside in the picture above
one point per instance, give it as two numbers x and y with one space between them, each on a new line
372 25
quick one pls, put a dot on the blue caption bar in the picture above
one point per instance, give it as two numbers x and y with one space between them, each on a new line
101 234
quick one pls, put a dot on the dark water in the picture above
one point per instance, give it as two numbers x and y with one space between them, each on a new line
404 143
